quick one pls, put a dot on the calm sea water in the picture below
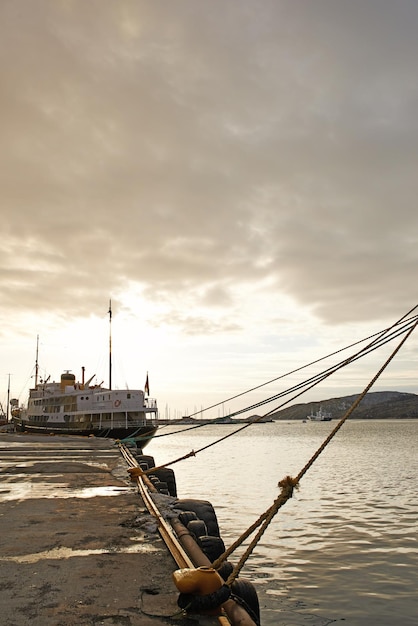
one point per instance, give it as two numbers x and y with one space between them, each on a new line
344 548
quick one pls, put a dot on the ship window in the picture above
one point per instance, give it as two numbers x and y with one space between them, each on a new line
128 395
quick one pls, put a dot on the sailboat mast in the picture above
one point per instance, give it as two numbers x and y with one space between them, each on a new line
110 344
8 401
36 361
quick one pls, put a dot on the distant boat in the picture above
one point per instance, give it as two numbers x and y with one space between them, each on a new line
69 407
319 416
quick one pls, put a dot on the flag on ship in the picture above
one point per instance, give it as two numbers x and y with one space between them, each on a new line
146 387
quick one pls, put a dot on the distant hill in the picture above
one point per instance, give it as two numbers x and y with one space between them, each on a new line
375 405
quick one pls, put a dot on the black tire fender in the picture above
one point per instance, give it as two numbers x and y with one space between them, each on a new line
145 458
166 474
197 527
246 595
213 547
204 511
161 487
187 516
225 570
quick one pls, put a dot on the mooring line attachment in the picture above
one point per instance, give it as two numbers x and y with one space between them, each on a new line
231 612
287 485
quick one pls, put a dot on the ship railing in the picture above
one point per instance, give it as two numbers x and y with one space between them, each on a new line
119 420
150 403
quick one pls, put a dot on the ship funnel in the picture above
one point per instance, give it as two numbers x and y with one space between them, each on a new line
67 380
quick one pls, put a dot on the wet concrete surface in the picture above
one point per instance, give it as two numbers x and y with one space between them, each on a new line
73 549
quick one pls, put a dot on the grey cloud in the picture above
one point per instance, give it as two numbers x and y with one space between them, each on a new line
197 145
196 324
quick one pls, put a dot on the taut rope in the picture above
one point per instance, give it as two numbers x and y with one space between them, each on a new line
377 340
288 484
298 369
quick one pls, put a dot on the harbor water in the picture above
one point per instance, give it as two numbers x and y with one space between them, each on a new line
344 548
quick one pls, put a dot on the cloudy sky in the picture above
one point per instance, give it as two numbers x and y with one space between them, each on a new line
240 178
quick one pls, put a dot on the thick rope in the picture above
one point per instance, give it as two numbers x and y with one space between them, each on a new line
380 333
314 381
377 341
354 405
288 484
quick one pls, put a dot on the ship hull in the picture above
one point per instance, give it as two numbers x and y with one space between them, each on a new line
322 419
142 435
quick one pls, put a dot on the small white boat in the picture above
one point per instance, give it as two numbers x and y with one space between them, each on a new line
320 416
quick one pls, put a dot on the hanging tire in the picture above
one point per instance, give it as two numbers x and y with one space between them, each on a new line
225 570
166 474
186 517
160 486
206 604
145 458
197 527
213 547
204 511
246 594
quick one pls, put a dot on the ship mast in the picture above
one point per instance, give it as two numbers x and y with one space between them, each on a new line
8 401
36 361
110 344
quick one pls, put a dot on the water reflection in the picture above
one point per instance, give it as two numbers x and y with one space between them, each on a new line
66 553
23 490
345 546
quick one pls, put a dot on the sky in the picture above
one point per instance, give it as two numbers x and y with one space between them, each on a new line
238 178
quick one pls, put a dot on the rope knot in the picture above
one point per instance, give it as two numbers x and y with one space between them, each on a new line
287 485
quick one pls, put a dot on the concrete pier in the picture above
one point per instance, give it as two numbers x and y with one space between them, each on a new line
74 548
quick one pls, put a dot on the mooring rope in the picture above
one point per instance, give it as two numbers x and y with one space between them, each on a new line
288 484
379 339
384 337
298 369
